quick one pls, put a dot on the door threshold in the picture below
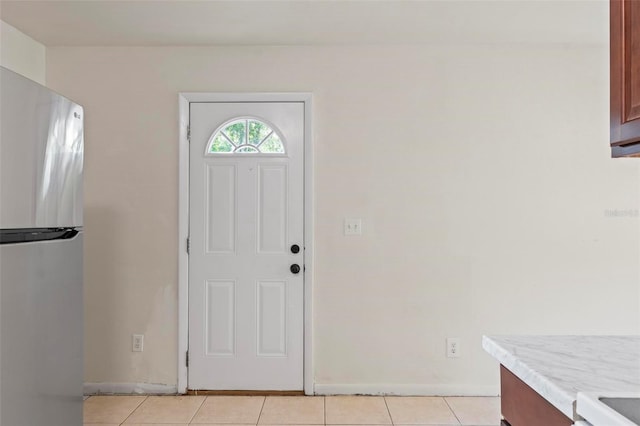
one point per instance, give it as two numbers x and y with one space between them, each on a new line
245 392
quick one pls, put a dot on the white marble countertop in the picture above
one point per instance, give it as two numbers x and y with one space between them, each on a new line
558 367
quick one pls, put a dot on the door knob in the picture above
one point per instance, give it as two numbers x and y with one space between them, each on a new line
294 268
295 249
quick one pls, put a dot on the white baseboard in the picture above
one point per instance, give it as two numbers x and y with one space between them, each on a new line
128 388
320 389
405 389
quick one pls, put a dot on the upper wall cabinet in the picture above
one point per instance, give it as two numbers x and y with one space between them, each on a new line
625 78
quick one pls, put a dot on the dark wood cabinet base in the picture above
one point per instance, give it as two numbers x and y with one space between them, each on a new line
625 77
522 406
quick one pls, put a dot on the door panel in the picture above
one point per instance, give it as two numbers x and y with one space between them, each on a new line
246 210
220 317
272 209
221 208
272 314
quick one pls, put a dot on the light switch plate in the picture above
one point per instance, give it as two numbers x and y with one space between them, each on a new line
353 226
137 343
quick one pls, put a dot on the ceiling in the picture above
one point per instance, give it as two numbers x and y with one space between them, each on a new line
307 22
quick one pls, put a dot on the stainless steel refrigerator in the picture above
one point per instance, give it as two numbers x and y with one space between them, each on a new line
41 161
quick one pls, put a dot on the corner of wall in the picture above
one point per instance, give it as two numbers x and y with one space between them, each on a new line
22 54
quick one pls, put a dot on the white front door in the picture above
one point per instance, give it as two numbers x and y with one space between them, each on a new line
246 211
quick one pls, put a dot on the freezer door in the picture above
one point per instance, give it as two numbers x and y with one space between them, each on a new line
41 156
41 329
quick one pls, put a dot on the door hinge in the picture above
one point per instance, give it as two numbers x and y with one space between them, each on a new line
189 133
187 358
188 245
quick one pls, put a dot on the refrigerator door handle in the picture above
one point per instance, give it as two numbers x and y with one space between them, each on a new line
17 236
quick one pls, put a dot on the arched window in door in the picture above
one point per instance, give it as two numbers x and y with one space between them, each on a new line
245 136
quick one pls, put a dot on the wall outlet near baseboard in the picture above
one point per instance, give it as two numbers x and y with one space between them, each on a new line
453 347
137 343
352 226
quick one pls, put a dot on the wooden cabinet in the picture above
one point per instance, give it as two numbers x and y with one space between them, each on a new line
625 77
522 406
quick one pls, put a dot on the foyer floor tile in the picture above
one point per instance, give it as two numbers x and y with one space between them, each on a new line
357 410
286 410
230 409
476 410
166 409
290 411
102 424
110 409
420 410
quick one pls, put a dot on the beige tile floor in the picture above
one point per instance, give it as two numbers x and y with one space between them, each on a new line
290 411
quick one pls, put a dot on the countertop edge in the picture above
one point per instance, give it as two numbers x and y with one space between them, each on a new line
547 389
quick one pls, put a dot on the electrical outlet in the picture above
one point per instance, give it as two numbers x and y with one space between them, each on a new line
137 343
352 226
453 347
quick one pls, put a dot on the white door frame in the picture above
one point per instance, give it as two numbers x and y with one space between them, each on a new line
183 221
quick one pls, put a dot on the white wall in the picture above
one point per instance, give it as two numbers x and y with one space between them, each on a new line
482 175
22 54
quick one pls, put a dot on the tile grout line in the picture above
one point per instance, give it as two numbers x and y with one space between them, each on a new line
452 410
388 411
134 410
199 408
324 406
264 401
